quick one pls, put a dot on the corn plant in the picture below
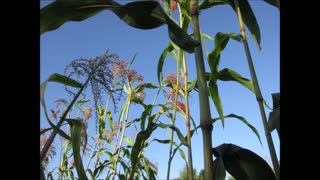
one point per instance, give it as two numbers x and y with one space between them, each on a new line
150 15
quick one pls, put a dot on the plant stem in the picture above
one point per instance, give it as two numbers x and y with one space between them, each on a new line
205 114
174 116
54 133
258 94
121 140
186 97
65 113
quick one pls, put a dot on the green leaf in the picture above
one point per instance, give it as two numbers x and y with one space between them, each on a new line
141 15
231 75
242 119
274 116
110 120
209 3
273 3
247 14
59 131
82 101
244 164
180 136
220 40
102 122
76 128
123 164
219 169
59 12
162 59
141 87
128 140
192 85
276 100
183 156
90 173
214 94
131 62
145 113
249 19
64 80
138 146
166 141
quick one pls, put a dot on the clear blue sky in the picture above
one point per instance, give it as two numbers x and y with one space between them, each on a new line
93 36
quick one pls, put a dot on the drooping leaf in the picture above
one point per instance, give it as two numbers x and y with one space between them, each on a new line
249 19
247 15
243 164
221 40
141 87
242 119
128 140
276 100
274 116
180 136
182 154
219 170
231 75
166 141
141 15
81 101
76 128
162 59
209 3
214 94
59 131
64 80
273 3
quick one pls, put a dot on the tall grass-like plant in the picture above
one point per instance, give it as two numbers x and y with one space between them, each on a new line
258 93
149 15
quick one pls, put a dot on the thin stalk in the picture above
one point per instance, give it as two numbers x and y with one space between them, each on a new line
118 135
104 117
258 94
65 113
205 114
54 133
186 97
121 140
94 149
42 176
174 117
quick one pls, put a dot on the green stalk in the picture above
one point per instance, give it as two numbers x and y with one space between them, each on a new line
104 117
258 94
121 140
174 116
205 114
186 97
118 134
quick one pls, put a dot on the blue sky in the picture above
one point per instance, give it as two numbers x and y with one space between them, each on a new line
93 36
